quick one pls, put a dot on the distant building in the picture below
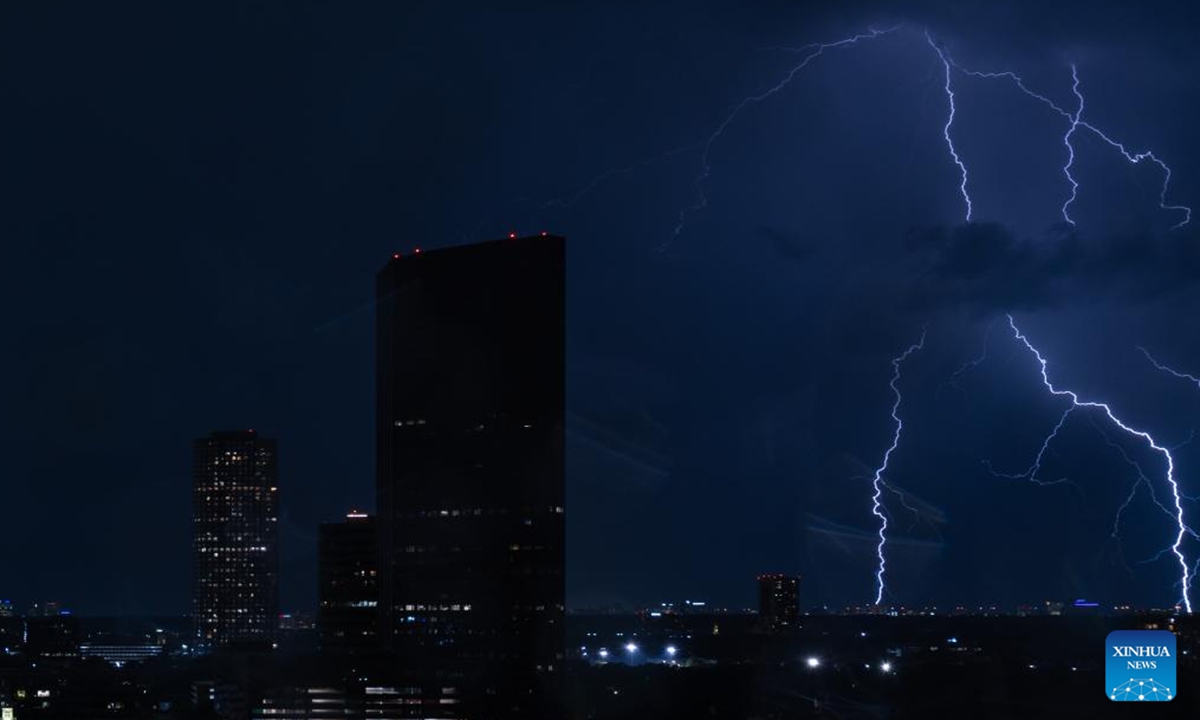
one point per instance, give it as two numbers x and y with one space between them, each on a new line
12 634
52 638
6 608
121 653
50 608
296 622
348 584
235 542
470 411
356 701
779 602
204 695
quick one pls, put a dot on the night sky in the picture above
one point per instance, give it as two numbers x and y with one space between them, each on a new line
196 200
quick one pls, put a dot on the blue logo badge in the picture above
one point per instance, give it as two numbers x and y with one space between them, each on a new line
1140 666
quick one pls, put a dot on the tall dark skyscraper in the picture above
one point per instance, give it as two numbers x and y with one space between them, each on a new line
470 383
348 584
235 541
779 602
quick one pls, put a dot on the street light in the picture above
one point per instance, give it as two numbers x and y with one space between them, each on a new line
671 650
632 648
886 667
814 662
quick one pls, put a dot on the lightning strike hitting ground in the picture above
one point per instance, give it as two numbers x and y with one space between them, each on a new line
877 481
1183 529
810 52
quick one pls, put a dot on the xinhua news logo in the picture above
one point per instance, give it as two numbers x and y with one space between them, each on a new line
1140 666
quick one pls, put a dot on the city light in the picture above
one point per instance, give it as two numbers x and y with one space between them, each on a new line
671 650
814 662
603 654
631 647
886 667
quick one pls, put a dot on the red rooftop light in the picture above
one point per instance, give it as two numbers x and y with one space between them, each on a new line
396 256
544 233
417 251
512 236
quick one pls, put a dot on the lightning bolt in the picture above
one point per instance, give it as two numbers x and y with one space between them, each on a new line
1031 473
810 53
1141 480
877 481
962 168
1071 148
1136 158
1181 375
971 364
596 181
1116 528
903 498
1075 122
1177 513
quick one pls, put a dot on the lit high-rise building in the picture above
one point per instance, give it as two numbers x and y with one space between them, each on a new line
470 411
348 584
235 540
779 602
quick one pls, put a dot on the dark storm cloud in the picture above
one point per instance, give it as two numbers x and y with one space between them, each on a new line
985 266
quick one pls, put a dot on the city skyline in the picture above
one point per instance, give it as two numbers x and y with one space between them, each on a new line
646 603
599 361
